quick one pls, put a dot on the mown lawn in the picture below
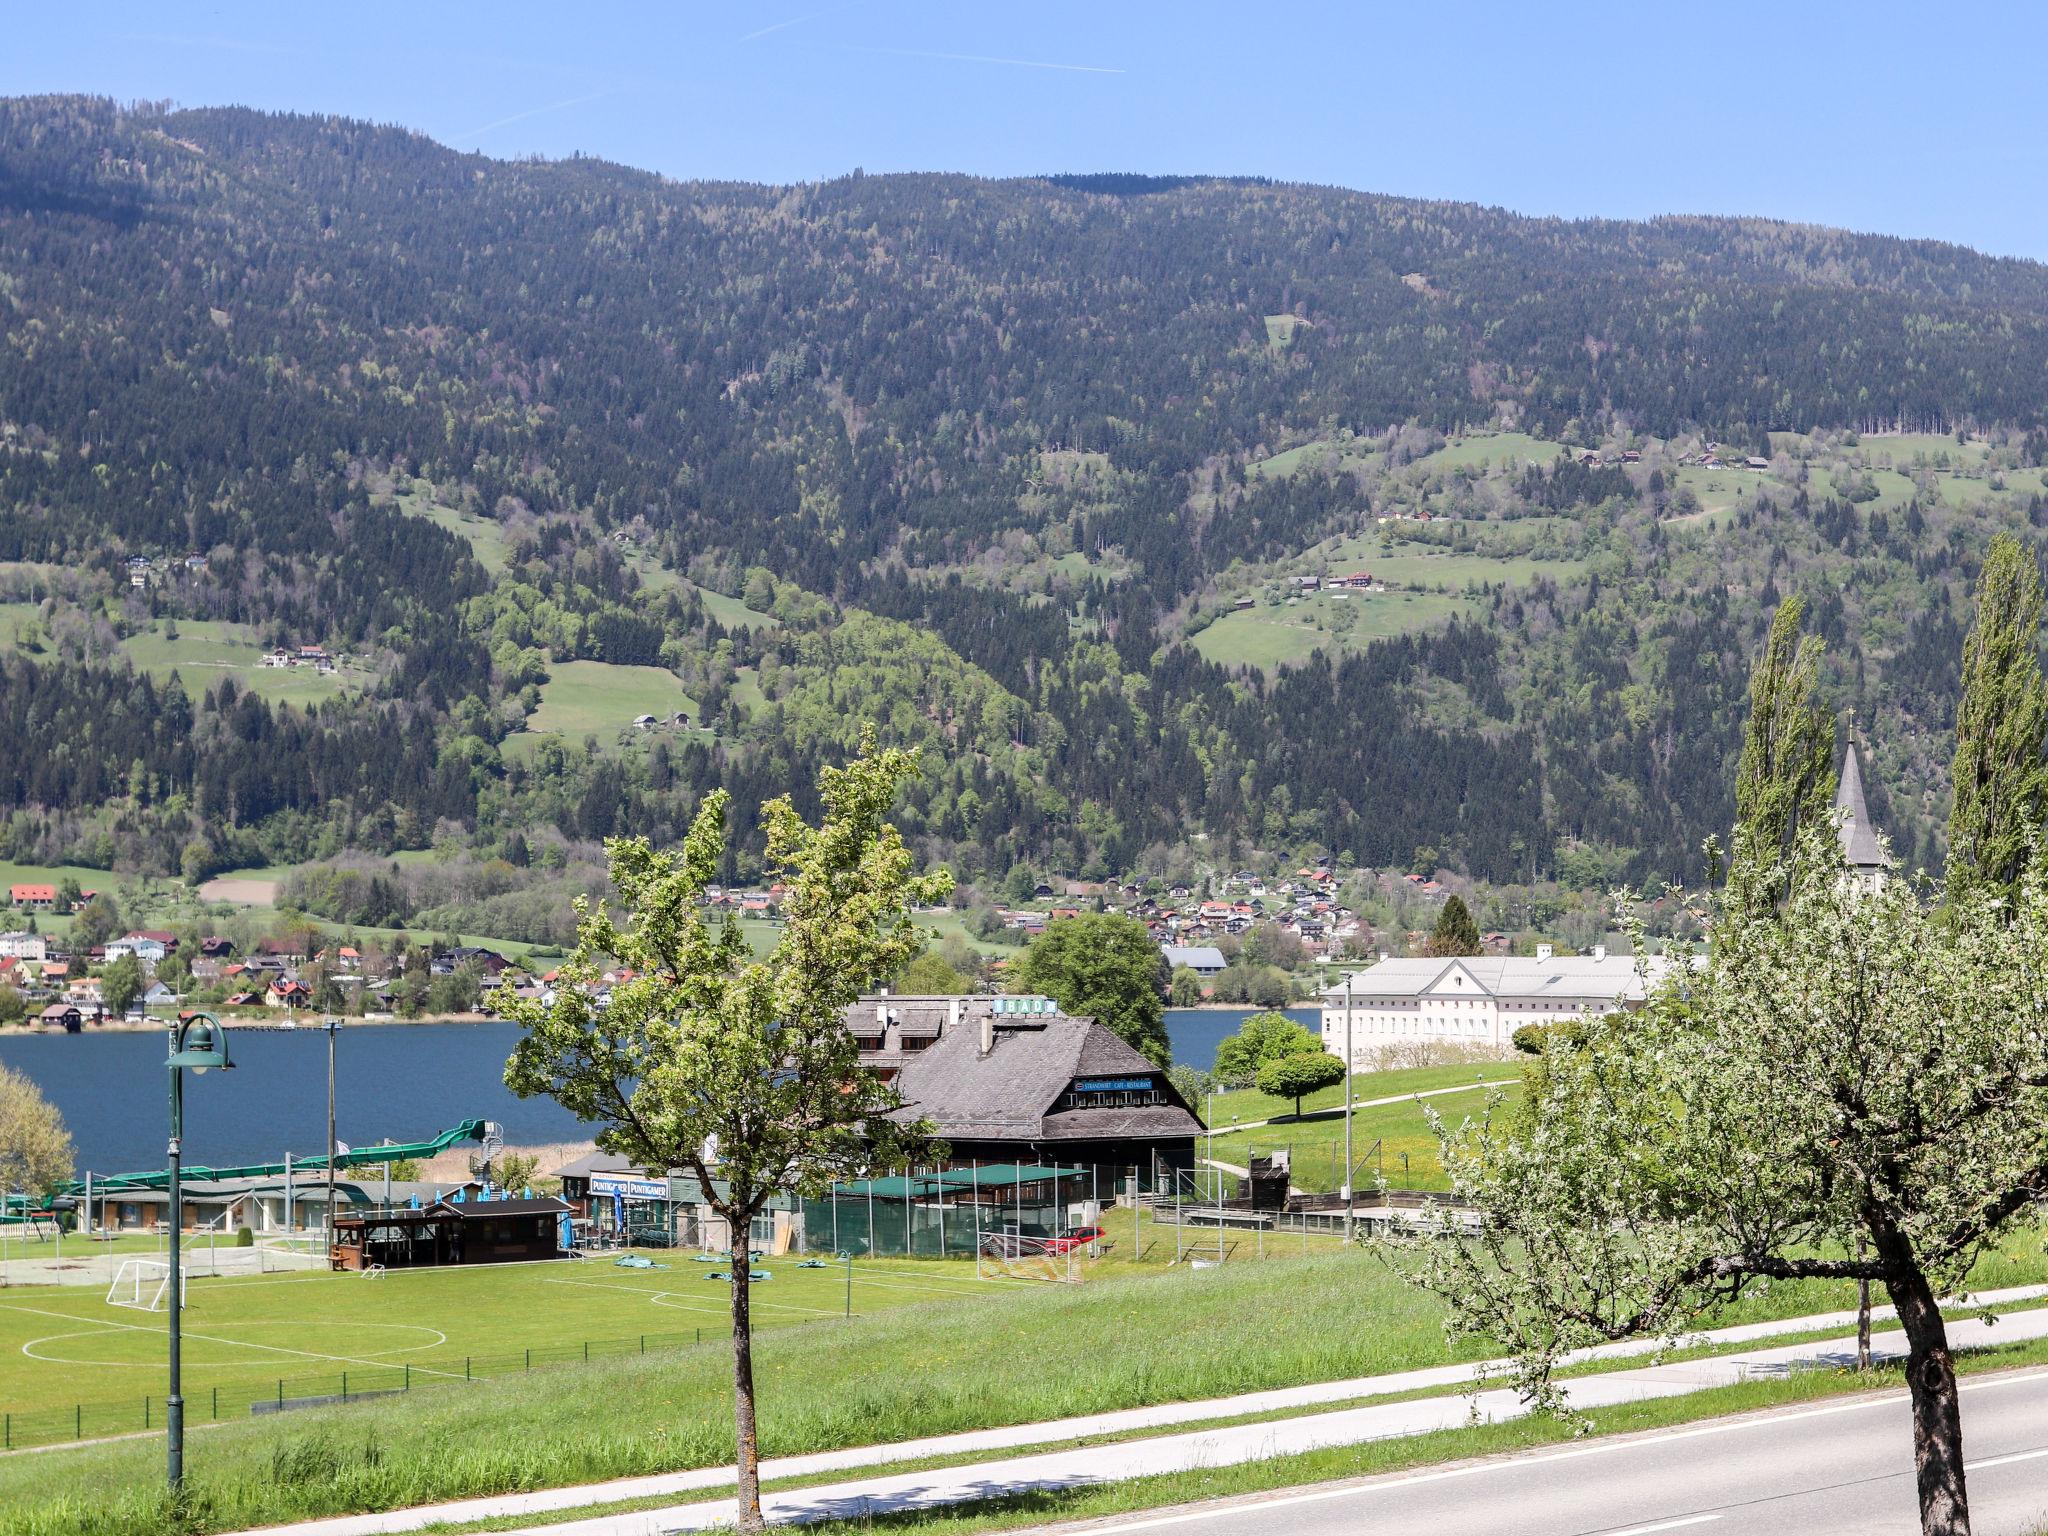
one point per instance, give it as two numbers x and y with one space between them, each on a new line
1249 1104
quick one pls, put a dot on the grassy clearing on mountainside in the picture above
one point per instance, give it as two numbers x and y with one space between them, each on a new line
204 650
1270 636
1499 449
1280 330
602 698
485 536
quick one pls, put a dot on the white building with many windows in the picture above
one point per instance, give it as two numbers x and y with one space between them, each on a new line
1477 1000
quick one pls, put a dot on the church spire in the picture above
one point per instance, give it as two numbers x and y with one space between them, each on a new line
1861 850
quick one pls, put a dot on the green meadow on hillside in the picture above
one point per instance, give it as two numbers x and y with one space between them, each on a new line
1274 636
601 699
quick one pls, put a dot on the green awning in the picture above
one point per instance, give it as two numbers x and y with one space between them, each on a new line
895 1188
1004 1173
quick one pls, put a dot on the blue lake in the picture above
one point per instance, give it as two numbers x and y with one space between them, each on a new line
401 1082
1196 1032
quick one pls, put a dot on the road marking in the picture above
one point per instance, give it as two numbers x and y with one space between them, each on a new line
2005 1461
1604 1448
1665 1525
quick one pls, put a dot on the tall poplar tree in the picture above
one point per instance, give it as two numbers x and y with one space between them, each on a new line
2000 783
1786 778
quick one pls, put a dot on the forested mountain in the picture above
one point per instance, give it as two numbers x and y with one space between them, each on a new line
980 460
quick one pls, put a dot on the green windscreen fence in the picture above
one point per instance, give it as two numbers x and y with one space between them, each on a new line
937 1215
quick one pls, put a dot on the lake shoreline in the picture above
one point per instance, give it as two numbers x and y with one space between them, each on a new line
154 1024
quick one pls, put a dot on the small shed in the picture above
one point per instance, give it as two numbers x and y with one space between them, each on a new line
450 1232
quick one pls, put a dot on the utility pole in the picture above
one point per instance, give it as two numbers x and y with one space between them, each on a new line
1350 1067
331 1025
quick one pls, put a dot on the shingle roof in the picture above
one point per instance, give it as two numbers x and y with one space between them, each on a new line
1860 846
1011 1092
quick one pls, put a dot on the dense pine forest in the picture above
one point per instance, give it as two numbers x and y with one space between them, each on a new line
1035 473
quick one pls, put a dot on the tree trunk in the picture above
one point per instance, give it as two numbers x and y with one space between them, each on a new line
1937 1411
747 1457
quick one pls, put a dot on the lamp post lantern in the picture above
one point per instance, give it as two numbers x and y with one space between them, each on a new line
198 1044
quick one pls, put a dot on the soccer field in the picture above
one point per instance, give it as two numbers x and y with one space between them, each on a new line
72 1364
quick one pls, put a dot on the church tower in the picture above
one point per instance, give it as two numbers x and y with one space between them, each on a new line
1861 850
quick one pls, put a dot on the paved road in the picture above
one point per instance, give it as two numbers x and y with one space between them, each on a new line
871 1485
1716 1475
1841 1469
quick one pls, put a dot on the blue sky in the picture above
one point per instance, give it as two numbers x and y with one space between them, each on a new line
1909 120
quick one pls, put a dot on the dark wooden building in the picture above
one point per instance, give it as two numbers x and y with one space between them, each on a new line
450 1232
1011 1080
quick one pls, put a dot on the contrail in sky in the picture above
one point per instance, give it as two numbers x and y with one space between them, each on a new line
780 26
520 117
982 58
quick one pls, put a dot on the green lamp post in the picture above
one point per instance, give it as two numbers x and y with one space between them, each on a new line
199 1043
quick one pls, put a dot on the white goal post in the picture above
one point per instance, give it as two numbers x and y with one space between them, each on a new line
1013 1256
143 1284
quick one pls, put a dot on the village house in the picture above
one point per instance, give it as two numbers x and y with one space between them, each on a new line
1202 959
149 945
36 898
288 992
23 946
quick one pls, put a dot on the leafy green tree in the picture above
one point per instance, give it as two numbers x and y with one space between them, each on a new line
35 1149
1261 1040
1786 777
929 975
740 1069
1184 990
1855 1092
1455 932
96 921
1291 1077
1105 966
13 1006
2001 785
121 983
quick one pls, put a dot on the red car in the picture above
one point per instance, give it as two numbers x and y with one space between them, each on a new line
1080 1237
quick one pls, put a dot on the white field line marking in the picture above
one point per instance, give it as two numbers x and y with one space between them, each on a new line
275 1349
101 1330
653 1291
1474 1469
2005 1461
1665 1525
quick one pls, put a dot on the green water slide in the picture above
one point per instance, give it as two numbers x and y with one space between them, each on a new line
355 1157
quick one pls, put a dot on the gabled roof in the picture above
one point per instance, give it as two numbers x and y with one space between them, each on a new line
1013 1092
1860 846
1573 976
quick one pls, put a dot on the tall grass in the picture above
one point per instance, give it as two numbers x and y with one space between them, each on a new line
1020 1357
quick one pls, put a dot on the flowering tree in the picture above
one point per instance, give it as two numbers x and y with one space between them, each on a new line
741 1070
1858 1090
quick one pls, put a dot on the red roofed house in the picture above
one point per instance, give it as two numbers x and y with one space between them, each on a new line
39 898
287 993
